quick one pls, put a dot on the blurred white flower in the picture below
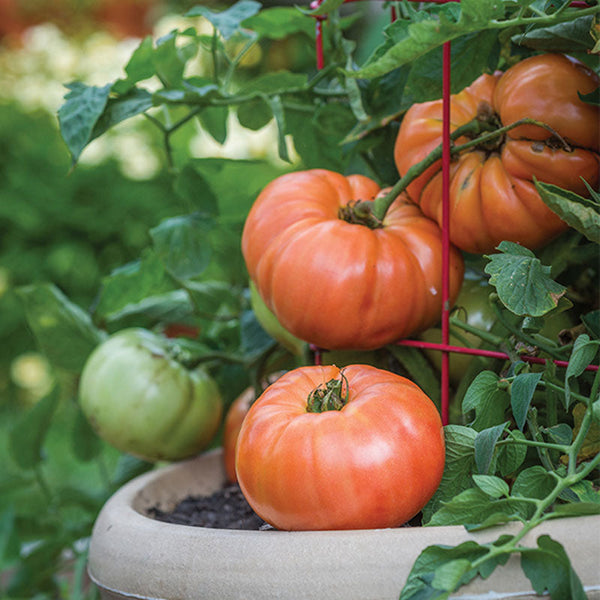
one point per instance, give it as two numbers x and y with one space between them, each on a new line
32 372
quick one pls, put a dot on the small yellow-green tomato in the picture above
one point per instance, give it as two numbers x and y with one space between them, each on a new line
142 401
272 326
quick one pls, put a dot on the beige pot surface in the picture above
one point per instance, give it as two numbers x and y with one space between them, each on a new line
134 556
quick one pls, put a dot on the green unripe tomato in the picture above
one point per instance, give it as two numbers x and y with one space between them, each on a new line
139 399
272 326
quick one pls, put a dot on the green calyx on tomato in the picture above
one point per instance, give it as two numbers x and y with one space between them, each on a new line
330 395
139 399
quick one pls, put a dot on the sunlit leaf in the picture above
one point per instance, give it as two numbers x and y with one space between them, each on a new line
523 284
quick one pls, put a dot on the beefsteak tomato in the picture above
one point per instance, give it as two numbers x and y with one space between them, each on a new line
492 192
233 423
142 401
374 460
340 284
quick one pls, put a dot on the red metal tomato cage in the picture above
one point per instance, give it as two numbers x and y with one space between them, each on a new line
444 347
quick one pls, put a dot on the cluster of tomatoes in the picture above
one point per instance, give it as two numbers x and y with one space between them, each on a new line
361 447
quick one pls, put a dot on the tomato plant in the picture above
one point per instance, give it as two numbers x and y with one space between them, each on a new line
493 196
335 281
340 264
141 400
330 449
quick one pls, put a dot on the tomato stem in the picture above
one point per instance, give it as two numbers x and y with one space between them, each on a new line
480 127
332 395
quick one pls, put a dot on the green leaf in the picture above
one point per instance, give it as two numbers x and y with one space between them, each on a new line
534 482
577 509
213 296
214 120
433 28
491 485
511 456
572 36
549 569
79 114
419 368
131 284
255 340
193 188
183 244
276 107
279 22
160 309
560 433
27 435
584 492
9 538
218 173
487 400
419 585
86 443
170 58
475 507
127 468
139 67
582 214
591 321
450 575
459 464
522 282
64 332
485 444
521 393
228 21
318 134
279 82
254 115
135 102
584 352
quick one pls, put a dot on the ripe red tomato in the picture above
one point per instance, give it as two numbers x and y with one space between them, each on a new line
373 463
233 423
342 285
492 194
231 429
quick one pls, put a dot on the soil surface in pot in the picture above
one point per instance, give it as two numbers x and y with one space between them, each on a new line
224 509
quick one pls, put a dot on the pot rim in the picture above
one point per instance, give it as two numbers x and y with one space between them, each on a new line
138 556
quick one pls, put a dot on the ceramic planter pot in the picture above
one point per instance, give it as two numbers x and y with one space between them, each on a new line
133 556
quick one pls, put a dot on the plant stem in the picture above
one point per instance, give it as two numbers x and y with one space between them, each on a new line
538 517
495 302
542 446
41 481
534 444
554 19
486 336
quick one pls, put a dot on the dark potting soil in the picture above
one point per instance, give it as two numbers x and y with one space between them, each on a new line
224 509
